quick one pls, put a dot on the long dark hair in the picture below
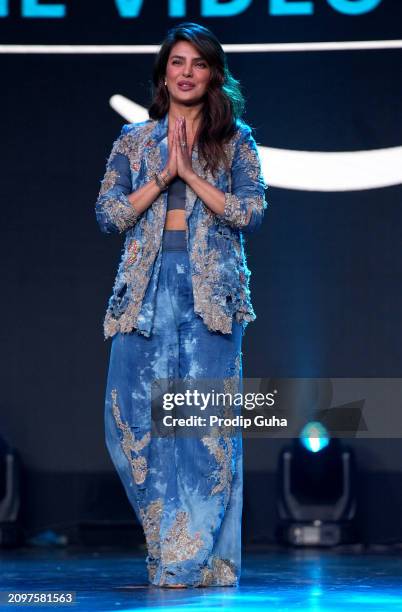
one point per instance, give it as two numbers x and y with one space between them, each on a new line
224 101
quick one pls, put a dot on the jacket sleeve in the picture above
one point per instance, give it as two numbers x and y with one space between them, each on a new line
114 212
245 204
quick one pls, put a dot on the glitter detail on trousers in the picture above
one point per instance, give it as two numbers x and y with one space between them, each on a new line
187 492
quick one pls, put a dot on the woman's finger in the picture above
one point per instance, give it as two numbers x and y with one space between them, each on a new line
184 130
178 139
174 139
174 136
183 137
173 152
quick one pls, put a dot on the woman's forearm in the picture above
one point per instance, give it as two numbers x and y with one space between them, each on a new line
214 198
143 197
211 196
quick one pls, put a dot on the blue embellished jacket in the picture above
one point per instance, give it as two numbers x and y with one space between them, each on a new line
215 242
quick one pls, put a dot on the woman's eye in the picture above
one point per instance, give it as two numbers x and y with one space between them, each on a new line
200 64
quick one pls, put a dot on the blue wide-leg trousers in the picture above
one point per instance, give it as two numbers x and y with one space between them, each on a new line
186 491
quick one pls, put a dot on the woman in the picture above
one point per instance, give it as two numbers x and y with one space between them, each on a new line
183 186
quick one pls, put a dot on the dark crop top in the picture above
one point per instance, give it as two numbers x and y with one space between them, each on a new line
177 194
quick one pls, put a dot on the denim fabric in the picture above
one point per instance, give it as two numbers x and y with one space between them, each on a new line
174 240
216 245
187 492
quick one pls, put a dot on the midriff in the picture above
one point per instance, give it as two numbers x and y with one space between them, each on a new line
176 219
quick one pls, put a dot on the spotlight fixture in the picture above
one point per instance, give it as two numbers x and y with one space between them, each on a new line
10 529
316 492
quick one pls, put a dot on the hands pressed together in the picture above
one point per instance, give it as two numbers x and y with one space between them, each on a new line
179 161
180 164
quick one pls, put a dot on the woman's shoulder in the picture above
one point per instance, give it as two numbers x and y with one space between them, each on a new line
243 128
134 134
138 126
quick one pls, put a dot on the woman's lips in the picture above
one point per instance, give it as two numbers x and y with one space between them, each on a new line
185 86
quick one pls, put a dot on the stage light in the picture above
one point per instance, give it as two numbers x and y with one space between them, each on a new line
11 533
316 499
314 436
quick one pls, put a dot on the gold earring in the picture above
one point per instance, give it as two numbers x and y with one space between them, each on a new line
165 82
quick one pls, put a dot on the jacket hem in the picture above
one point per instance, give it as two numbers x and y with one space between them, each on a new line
214 323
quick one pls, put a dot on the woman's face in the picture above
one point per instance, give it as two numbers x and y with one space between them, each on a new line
187 73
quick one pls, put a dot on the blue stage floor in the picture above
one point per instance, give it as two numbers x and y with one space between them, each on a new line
317 581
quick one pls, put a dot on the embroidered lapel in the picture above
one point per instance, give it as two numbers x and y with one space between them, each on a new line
191 196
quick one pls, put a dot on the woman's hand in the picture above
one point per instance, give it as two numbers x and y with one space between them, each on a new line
183 156
170 170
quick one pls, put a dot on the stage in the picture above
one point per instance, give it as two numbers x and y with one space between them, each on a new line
291 230
279 579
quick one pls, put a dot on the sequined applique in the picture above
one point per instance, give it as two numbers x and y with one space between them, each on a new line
138 277
252 165
239 210
123 145
122 212
222 440
108 181
151 523
205 278
178 545
222 573
218 294
130 444
231 387
233 210
221 447
132 252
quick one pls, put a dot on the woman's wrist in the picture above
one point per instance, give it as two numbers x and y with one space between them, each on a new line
166 176
162 179
190 176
